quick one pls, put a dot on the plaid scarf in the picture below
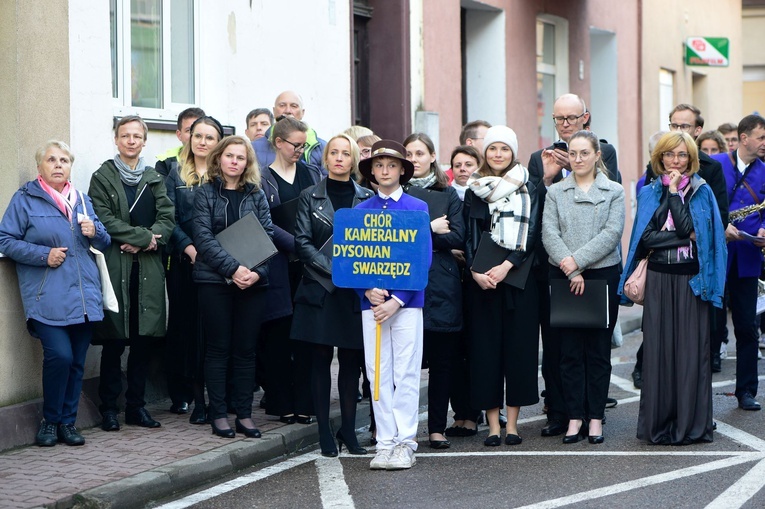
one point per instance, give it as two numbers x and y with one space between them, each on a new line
509 205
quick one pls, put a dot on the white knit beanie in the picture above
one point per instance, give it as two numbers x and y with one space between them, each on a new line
502 134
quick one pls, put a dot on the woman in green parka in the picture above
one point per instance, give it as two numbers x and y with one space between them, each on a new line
131 201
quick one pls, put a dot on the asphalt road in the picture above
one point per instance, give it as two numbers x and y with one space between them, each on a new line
540 473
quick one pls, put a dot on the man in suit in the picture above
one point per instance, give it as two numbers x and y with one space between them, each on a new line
744 174
687 118
570 115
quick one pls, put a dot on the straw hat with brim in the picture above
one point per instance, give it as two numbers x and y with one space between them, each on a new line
387 148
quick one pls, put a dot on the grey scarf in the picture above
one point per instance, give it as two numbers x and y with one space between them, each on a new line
127 176
424 182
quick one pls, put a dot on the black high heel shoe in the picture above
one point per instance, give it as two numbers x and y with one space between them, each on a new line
198 415
572 439
223 433
248 432
352 449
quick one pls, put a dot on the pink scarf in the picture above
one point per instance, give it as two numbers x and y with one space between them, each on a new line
682 189
65 200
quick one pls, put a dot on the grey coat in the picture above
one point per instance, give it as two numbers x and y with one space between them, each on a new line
587 226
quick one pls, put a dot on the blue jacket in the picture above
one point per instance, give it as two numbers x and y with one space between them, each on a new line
410 298
182 197
747 255
31 226
709 283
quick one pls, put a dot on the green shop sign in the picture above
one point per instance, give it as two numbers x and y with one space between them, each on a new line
707 51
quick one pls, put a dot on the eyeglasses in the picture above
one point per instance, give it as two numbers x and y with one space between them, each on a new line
680 127
683 156
366 152
570 119
297 146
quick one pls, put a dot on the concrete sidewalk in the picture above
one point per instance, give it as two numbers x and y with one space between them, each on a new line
131 467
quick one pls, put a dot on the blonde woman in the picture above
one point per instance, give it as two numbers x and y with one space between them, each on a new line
230 313
185 346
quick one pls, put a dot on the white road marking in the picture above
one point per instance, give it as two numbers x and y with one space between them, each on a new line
742 490
750 455
240 481
334 491
624 384
640 483
740 436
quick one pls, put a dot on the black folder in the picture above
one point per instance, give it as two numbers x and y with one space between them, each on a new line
438 201
490 254
320 277
284 215
143 212
586 311
247 242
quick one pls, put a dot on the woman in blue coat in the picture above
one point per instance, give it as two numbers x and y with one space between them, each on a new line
47 230
678 227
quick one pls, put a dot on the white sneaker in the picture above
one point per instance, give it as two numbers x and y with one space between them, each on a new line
724 350
402 457
380 461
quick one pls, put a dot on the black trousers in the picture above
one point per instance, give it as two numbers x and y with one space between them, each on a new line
741 295
141 349
586 356
288 370
438 348
551 356
459 387
231 324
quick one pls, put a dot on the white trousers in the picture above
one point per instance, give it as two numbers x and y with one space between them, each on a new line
400 366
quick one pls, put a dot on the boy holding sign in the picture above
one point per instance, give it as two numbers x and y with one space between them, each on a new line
399 313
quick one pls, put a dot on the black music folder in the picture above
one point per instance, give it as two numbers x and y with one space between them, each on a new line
438 201
247 242
143 212
490 254
586 311
319 276
284 215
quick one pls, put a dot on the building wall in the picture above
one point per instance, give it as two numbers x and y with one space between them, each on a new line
55 77
718 91
34 80
753 40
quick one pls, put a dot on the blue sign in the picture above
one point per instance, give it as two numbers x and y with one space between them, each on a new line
387 249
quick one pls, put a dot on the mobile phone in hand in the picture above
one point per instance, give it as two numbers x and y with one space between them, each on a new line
561 145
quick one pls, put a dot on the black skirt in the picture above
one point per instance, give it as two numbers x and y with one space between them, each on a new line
676 399
325 318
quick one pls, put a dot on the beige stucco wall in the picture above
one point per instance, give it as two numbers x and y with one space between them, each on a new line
753 34
34 80
667 23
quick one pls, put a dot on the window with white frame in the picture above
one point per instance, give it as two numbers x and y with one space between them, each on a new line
552 72
154 57
666 97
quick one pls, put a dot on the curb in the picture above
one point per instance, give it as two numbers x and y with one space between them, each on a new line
158 483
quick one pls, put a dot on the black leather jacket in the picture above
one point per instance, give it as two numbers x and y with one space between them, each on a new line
213 263
313 226
665 244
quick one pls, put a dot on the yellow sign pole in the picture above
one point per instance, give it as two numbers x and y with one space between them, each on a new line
378 341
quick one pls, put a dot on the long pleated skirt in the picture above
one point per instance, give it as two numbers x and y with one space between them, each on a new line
676 399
